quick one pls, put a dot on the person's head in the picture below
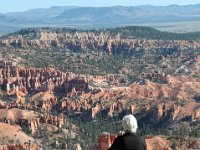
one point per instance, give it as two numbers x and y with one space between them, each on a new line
129 124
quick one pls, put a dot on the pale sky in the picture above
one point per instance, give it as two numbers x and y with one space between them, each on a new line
22 5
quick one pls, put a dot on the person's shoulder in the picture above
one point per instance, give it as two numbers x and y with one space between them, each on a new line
119 138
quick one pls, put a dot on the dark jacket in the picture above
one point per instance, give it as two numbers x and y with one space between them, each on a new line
129 141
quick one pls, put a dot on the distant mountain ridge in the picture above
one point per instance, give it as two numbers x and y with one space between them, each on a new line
100 17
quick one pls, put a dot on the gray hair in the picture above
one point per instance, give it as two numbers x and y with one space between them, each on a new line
129 123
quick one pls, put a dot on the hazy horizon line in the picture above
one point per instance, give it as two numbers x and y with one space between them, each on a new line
99 7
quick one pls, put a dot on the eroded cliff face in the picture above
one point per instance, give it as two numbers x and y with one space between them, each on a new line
105 41
21 81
